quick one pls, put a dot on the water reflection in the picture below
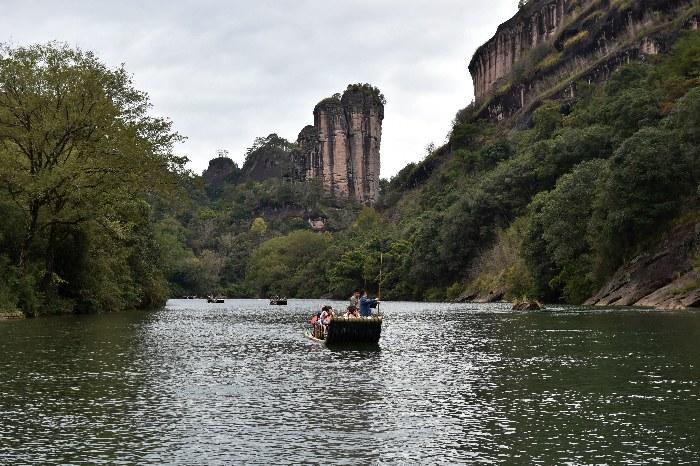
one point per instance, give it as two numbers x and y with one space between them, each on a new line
238 383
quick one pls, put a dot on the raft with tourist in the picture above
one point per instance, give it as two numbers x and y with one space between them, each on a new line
277 301
354 327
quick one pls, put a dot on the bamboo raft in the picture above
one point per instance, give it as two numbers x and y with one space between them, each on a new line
344 331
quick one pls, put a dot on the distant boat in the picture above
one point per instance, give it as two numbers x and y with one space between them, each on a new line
211 299
351 331
278 301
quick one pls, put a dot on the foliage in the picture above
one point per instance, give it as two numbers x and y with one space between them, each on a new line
281 265
270 142
559 220
80 156
547 211
369 90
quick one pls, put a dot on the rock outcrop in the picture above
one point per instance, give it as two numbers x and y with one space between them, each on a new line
664 278
481 297
341 149
220 170
551 45
527 305
270 157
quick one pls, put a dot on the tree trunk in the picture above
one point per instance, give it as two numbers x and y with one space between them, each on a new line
28 238
49 261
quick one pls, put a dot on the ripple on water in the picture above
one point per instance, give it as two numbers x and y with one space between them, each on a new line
238 383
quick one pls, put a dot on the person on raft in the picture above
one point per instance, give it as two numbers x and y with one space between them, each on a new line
327 313
352 313
366 304
355 299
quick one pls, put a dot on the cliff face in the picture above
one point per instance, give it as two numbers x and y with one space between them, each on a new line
495 59
550 45
307 158
342 147
364 114
272 163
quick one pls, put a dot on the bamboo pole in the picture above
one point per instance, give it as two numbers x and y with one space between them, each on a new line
379 292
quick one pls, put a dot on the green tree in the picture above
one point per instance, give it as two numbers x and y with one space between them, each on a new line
648 182
259 227
563 216
77 146
284 265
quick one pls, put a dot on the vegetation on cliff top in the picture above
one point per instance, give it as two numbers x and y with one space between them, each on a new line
368 90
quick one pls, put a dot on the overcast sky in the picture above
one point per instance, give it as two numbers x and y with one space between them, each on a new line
226 71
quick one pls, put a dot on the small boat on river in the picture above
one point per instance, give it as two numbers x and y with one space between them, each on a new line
214 300
278 301
349 331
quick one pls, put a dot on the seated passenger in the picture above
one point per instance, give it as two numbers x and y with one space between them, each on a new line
352 313
325 319
329 313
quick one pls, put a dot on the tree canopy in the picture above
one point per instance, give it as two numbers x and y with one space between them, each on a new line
80 157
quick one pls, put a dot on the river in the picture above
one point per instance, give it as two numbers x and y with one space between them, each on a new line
237 383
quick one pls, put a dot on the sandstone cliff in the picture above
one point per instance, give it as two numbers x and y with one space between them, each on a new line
550 45
342 147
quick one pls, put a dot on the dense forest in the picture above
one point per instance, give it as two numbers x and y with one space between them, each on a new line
99 214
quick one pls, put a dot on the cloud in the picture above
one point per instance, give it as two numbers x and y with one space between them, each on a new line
228 71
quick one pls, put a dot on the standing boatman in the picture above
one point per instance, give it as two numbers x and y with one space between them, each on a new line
367 304
355 299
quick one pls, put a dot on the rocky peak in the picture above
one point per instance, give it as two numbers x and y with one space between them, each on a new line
341 148
344 150
269 157
220 170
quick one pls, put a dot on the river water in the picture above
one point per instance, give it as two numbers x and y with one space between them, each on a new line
237 383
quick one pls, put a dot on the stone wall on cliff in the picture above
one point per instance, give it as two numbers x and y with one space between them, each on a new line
342 147
550 45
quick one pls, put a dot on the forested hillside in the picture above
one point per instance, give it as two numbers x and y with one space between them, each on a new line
550 210
553 210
